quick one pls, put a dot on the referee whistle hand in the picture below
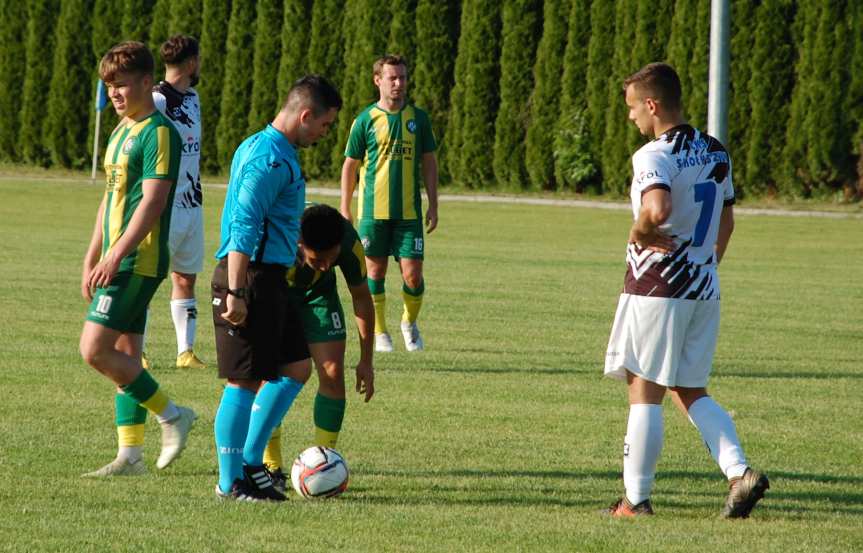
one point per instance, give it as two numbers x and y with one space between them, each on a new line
235 310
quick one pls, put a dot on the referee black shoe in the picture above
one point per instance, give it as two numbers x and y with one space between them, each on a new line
260 483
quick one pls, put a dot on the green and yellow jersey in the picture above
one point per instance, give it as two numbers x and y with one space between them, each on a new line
390 146
146 149
313 284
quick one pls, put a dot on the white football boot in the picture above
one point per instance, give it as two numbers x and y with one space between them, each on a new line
411 334
119 467
174 436
383 342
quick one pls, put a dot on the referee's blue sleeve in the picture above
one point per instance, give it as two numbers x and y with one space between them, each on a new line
258 190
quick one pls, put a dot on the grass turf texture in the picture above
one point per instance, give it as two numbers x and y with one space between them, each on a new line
502 436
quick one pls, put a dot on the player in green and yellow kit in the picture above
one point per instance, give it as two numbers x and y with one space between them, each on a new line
328 240
128 258
392 145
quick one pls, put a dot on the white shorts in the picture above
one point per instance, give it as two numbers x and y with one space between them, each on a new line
667 341
186 240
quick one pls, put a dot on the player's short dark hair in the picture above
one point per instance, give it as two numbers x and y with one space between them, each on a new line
658 81
322 227
178 49
126 57
389 59
315 92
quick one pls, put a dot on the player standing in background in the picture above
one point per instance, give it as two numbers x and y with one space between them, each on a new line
667 320
260 345
131 234
176 98
328 240
391 143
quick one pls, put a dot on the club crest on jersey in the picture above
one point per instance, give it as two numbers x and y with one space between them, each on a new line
411 126
128 145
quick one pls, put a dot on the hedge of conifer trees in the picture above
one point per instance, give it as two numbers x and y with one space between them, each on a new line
523 94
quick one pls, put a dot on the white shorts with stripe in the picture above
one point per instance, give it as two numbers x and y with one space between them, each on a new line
186 240
664 340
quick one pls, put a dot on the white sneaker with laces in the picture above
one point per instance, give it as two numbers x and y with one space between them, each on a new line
411 334
383 342
119 467
174 436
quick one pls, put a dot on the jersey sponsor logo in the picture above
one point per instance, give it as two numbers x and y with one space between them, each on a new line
191 147
411 126
129 144
701 159
397 149
649 174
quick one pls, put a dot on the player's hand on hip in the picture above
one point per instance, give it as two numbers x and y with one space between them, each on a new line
365 380
431 219
236 310
655 240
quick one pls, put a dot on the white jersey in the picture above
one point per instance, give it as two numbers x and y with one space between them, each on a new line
183 109
695 168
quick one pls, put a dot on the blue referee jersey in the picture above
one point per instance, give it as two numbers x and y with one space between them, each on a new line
265 200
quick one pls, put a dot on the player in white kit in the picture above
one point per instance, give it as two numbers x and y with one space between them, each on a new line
665 328
177 99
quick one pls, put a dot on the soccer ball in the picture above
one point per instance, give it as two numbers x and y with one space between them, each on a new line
319 472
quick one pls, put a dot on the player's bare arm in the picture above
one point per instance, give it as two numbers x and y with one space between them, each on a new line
236 309
655 210
154 198
94 249
349 181
364 312
430 176
726 227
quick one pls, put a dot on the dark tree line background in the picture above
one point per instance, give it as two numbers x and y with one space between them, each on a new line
523 94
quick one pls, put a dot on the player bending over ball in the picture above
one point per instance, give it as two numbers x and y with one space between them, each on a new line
327 241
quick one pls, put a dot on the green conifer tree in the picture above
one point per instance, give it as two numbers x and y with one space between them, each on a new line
41 21
740 71
137 18
476 96
403 29
65 128
237 85
681 45
214 32
545 98
268 50
295 34
325 58
13 27
854 101
695 96
599 51
186 18
574 166
106 33
616 169
436 24
521 25
160 30
769 89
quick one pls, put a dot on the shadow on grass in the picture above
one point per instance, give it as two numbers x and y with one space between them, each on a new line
788 375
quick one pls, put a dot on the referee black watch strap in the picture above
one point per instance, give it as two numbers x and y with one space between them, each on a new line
237 292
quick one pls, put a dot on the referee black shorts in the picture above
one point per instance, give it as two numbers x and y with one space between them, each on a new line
272 335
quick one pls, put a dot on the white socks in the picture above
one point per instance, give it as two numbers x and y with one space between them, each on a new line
185 315
719 434
641 449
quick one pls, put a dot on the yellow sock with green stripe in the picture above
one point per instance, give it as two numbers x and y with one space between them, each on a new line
413 298
273 451
378 291
145 391
130 418
329 414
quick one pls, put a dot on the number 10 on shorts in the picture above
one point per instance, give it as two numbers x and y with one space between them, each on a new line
418 245
104 304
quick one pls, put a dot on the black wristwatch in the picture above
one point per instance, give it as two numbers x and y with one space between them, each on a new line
238 292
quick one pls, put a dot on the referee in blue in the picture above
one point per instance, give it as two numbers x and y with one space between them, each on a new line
260 344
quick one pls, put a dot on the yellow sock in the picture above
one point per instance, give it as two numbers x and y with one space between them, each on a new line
326 438
273 451
157 403
412 307
380 301
130 436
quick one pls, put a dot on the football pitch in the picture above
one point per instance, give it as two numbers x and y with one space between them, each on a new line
501 436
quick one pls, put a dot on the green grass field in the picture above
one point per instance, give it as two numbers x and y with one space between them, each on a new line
502 436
